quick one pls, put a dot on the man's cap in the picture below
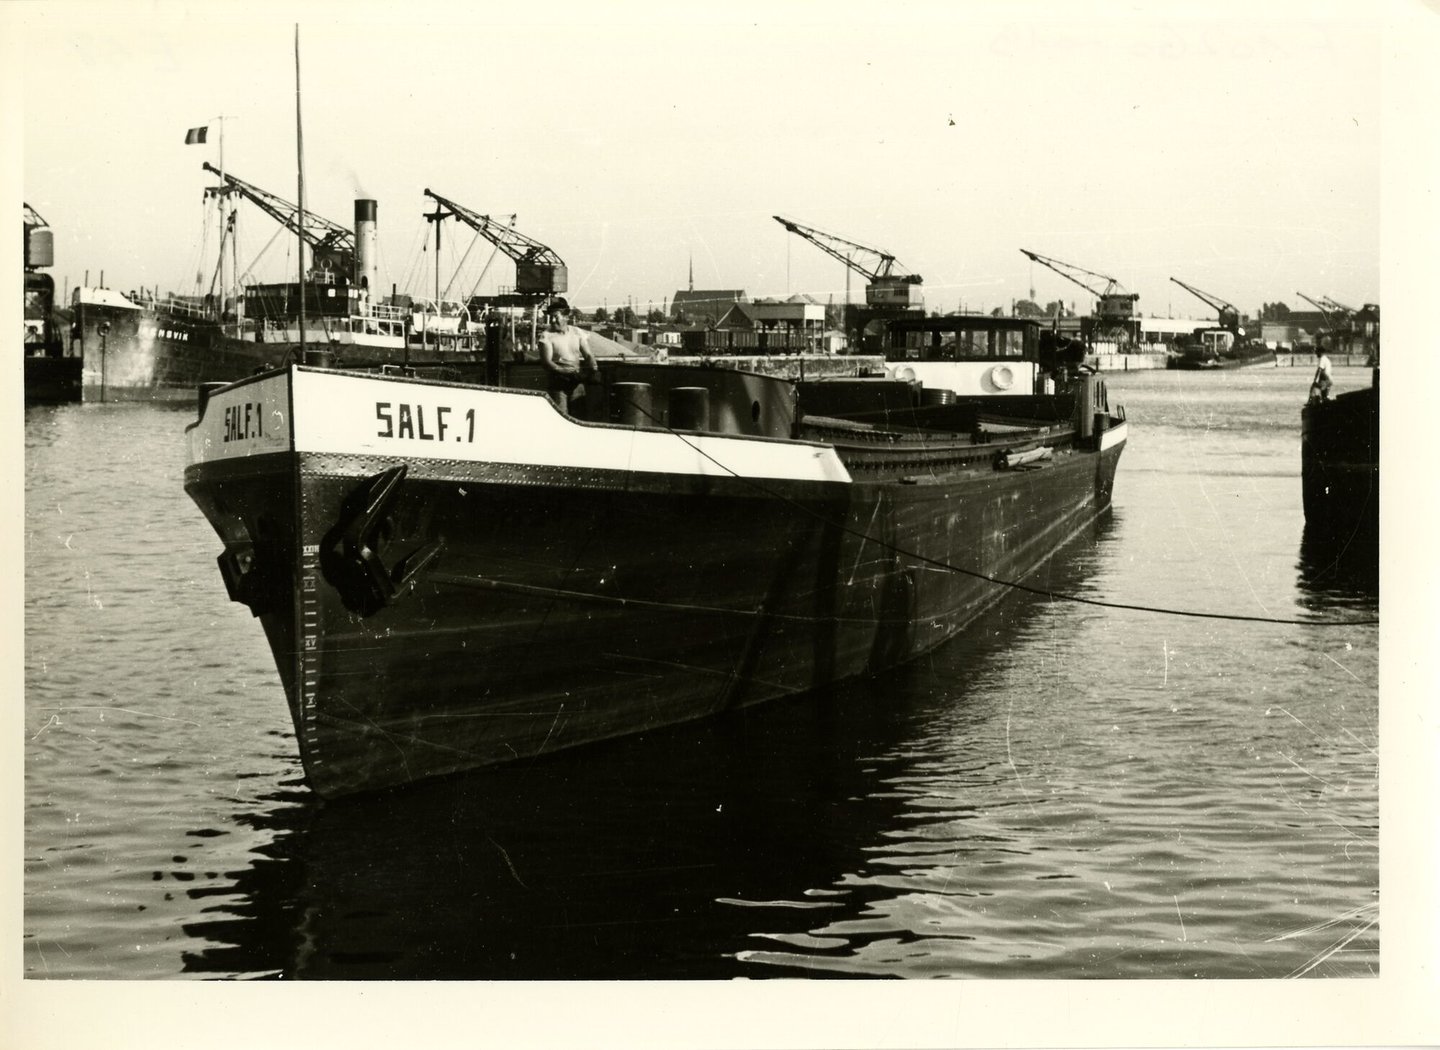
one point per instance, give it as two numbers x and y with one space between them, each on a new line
557 306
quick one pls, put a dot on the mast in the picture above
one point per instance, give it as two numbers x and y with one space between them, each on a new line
300 179
227 229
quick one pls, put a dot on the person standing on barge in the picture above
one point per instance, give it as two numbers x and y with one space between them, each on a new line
565 353
1320 386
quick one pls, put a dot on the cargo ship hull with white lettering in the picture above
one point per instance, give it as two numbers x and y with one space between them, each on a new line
138 347
455 576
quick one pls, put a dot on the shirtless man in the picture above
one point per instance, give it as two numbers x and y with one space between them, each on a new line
565 353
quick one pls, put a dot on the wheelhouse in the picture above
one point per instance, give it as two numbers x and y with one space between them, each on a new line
966 354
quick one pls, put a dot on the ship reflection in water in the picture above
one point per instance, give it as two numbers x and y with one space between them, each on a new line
668 855
1339 572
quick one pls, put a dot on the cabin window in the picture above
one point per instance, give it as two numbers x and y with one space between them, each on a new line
976 343
1010 343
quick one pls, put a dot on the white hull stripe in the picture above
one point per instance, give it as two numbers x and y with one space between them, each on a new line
364 415
1114 436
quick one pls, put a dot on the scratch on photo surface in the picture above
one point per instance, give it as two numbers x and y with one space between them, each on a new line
1297 721
54 721
1367 747
1010 757
102 708
508 862
1302 769
1342 667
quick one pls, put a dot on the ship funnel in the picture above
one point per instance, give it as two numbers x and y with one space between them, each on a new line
366 266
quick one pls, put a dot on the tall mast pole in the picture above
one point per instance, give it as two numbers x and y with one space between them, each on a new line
224 220
300 178
220 198
438 216
227 229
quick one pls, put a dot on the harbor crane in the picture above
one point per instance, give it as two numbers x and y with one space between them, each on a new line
1325 306
539 271
889 286
1229 317
332 246
1339 320
1113 305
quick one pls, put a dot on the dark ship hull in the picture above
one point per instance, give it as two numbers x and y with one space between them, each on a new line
164 350
1194 359
51 376
52 380
1340 465
454 576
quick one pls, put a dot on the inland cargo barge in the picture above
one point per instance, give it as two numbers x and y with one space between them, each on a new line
1212 348
454 575
1223 344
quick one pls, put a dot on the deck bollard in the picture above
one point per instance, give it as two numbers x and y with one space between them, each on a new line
632 405
690 408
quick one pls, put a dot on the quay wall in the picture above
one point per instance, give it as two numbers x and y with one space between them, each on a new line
1125 362
792 366
1308 360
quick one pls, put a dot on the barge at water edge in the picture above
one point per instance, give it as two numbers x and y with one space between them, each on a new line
51 375
1340 467
1340 449
452 575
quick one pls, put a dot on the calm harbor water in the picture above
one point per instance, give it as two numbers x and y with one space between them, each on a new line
1068 791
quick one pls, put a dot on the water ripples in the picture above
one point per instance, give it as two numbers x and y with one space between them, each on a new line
1066 791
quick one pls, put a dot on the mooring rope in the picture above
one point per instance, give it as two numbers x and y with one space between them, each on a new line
1043 592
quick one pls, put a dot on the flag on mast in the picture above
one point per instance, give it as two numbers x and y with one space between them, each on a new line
195 135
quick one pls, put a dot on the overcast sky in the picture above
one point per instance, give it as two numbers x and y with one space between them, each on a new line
1236 147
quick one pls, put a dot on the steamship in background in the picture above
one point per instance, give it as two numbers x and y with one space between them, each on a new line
52 375
145 346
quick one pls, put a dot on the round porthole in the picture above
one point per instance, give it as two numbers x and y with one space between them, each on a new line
1002 377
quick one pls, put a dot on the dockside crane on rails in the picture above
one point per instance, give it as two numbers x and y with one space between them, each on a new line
1339 320
1228 317
890 291
1327 311
1362 325
888 287
332 246
1113 319
1112 305
539 271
